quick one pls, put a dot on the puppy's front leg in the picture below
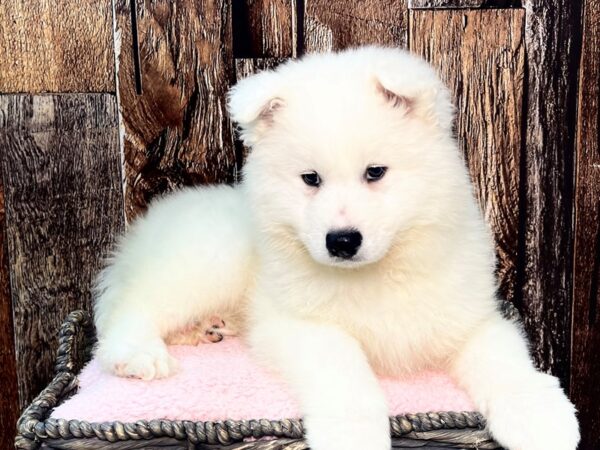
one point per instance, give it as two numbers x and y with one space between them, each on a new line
130 345
525 409
343 405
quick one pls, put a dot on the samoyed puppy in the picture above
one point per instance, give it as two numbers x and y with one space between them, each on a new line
353 247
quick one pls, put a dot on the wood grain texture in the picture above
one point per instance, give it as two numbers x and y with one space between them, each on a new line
552 38
177 133
585 363
463 4
334 25
264 28
56 46
480 55
245 67
9 400
61 168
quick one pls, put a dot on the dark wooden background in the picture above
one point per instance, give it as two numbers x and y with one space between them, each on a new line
525 76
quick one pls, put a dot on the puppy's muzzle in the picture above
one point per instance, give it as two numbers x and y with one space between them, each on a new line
343 243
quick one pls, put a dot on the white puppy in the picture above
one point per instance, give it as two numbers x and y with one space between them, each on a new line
354 246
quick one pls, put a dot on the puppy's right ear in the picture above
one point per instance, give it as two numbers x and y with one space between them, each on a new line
253 103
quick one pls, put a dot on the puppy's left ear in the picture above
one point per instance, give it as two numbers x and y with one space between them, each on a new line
253 103
421 95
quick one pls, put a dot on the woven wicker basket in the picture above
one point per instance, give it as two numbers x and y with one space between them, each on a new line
432 431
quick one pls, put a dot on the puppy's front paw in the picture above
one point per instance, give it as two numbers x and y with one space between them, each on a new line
146 361
207 331
535 416
349 433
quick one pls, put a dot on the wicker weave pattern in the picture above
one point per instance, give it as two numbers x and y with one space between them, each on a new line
77 338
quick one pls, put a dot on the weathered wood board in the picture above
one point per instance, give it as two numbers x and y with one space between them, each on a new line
334 25
9 400
265 28
463 4
245 67
177 133
61 168
547 248
56 46
485 72
585 362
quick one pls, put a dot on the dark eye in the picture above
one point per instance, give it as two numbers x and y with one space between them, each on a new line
311 179
375 173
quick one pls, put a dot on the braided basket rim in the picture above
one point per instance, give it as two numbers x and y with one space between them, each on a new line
35 425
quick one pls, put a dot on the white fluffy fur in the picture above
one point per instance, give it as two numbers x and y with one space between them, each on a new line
419 294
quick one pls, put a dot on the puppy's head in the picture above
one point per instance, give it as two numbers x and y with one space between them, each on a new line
348 151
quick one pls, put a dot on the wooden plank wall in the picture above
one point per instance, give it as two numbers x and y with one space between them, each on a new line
545 296
265 28
585 344
524 74
61 178
56 46
486 74
177 132
62 184
9 401
335 25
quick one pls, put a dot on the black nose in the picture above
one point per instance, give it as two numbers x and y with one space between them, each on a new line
343 243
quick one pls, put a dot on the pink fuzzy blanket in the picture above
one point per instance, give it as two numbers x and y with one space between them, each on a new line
220 381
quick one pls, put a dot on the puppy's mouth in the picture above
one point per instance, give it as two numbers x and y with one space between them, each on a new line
349 263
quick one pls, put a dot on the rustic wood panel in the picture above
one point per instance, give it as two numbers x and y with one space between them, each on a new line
245 67
585 363
333 25
9 400
56 46
264 28
552 37
177 132
485 72
463 4
61 168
